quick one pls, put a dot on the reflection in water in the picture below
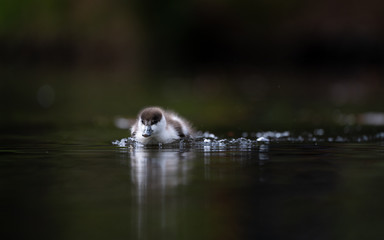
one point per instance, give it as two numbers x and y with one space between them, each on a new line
174 188
155 175
263 153
158 169
241 154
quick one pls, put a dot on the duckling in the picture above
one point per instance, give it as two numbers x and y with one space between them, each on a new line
155 125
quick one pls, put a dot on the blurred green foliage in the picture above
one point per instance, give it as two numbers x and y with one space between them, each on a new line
225 65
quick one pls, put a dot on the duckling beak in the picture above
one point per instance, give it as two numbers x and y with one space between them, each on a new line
147 131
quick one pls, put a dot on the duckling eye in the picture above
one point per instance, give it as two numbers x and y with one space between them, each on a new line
154 122
142 121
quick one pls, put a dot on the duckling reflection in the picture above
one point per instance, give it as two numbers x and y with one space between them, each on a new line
159 169
156 175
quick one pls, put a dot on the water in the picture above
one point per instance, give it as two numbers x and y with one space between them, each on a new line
74 184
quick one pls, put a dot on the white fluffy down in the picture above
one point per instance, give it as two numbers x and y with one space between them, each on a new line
164 131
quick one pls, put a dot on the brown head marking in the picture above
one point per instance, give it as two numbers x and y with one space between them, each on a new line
150 116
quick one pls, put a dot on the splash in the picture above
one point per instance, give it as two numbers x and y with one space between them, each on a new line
209 141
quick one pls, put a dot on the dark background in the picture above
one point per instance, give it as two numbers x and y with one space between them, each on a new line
225 65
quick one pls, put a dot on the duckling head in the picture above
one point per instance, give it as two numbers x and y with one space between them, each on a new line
151 121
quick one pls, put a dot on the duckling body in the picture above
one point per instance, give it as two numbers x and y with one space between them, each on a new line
155 125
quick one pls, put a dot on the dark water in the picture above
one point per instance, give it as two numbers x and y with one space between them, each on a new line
74 184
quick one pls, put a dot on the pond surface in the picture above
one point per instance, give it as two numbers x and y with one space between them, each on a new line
76 184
